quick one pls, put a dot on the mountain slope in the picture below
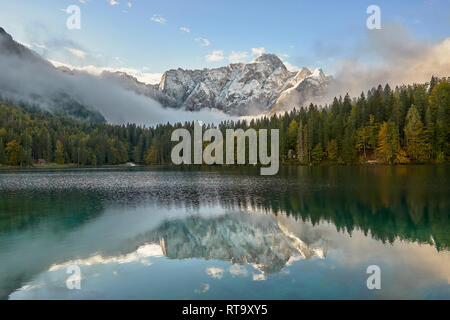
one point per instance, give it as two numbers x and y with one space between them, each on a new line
240 89
263 85
25 78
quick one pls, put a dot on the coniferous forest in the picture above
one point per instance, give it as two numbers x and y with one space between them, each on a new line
407 124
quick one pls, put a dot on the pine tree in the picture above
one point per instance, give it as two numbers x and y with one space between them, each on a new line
291 135
2 152
332 150
388 140
372 133
152 156
59 152
439 102
416 147
362 140
317 154
300 145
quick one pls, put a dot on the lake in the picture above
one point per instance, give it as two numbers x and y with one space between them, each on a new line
225 233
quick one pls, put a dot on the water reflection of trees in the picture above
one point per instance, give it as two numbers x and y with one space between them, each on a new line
408 203
62 211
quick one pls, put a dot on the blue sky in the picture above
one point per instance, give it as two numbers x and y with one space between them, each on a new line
122 34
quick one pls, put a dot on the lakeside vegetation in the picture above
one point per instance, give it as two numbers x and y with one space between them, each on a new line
408 124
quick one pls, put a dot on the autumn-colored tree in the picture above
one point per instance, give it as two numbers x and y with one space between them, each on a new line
401 157
344 128
388 144
152 156
13 151
332 150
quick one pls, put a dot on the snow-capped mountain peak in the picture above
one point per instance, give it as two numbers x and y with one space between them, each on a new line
237 89
262 85
271 59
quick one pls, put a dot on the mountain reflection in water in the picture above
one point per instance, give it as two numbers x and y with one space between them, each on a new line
179 233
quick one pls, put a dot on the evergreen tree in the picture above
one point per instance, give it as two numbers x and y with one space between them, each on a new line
291 135
152 156
3 159
332 150
300 143
59 152
415 136
317 154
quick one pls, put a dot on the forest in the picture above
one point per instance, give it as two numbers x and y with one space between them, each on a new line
407 124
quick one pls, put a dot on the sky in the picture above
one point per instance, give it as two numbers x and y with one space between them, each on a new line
147 37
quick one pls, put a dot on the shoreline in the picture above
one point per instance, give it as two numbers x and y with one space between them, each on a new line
285 164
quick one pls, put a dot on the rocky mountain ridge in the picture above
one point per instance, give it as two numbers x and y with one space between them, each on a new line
241 89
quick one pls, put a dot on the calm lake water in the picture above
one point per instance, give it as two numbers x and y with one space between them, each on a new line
216 233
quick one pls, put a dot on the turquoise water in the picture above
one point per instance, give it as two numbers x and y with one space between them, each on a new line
218 233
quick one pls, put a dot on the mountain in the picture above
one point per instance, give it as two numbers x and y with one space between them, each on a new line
263 85
28 79
9 47
264 241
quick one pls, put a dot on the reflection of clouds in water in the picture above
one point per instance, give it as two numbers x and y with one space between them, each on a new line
205 287
140 255
259 277
29 287
347 254
416 261
238 271
216 273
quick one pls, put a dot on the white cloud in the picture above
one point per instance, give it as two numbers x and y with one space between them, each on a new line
34 44
290 66
258 51
140 74
203 42
184 29
113 2
158 18
24 80
238 56
216 273
26 45
40 46
76 52
215 56
402 58
82 1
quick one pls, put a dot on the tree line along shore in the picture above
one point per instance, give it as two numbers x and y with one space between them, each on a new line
407 124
